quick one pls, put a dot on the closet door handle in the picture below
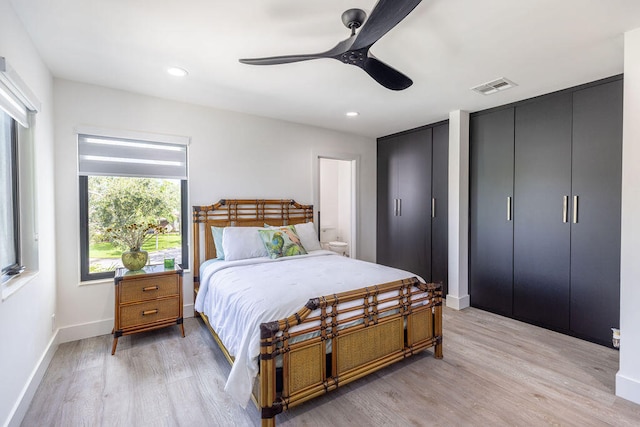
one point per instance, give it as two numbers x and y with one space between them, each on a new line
433 207
399 207
565 208
395 207
575 209
509 208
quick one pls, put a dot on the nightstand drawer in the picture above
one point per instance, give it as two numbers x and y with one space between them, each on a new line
149 312
149 288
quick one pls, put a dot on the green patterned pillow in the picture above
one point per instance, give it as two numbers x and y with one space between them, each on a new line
217 240
281 241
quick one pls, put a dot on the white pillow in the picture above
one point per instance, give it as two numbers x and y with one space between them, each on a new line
242 243
308 236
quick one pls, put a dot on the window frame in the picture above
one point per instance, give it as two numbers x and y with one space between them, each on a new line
14 163
22 106
85 275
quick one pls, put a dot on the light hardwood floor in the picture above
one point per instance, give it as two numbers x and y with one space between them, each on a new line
495 371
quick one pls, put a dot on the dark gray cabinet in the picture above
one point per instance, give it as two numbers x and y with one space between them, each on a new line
440 204
542 188
596 210
557 263
490 206
386 208
409 201
404 198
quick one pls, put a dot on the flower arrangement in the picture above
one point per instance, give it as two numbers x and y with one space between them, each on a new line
133 236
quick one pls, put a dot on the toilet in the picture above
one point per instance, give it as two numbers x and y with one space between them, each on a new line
338 247
329 240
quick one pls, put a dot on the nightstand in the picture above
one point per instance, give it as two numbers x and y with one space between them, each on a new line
147 299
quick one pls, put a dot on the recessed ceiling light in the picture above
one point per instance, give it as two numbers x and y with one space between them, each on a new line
178 72
352 114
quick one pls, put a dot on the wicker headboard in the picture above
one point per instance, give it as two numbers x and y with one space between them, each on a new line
241 213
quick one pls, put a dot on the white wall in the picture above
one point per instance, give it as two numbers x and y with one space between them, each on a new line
26 334
458 296
628 377
329 210
344 201
335 199
231 155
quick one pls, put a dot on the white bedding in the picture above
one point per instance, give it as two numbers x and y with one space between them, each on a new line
237 296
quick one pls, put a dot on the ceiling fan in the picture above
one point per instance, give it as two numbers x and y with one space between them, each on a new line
385 15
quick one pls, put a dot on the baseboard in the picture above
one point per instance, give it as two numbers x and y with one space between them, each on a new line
26 396
628 388
188 311
458 303
85 330
101 327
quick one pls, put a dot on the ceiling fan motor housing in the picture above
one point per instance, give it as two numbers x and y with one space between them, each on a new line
354 57
353 18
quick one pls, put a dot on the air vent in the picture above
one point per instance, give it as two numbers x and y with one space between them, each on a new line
494 86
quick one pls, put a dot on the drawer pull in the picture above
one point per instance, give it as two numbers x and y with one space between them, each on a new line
150 288
148 312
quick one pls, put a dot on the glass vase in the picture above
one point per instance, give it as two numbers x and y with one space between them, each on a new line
135 260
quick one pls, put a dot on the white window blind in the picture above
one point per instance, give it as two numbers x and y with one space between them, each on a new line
109 156
15 98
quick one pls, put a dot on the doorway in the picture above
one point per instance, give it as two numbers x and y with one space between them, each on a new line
336 204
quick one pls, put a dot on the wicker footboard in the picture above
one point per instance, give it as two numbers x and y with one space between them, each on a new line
361 331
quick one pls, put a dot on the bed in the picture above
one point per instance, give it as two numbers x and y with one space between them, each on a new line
289 343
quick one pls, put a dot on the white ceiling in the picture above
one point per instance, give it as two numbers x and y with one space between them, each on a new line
445 46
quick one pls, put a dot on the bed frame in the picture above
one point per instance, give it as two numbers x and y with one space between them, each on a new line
349 335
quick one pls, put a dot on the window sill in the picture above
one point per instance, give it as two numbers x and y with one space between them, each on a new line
14 284
110 280
97 282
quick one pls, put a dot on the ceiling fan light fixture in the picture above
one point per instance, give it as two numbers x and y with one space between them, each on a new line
177 71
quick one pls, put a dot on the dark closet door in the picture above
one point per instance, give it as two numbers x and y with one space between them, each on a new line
595 232
542 187
439 211
387 190
491 238
413 240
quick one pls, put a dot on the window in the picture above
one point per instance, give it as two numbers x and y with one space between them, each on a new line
9 208
18 235
125 181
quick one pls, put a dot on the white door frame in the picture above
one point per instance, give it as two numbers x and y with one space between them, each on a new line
355 193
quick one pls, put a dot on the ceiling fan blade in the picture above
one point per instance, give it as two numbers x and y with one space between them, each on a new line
385 15
286 59
386 75
334 52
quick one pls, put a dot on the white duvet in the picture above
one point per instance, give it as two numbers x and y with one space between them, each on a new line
237 296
